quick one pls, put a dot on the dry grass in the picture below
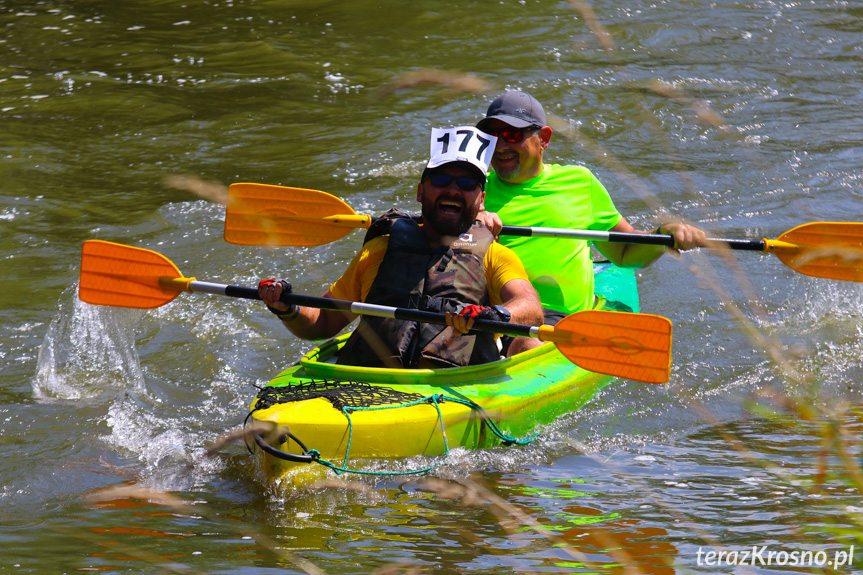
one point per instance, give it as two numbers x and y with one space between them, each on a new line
454 83
209 190
837 426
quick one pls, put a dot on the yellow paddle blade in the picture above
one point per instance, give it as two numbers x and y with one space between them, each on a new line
630 345
832 250
124 276
260 214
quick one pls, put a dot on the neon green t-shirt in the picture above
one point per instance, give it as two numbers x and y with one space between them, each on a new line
560 197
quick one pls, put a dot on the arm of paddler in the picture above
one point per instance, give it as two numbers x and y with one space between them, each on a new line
308 322
508 286
526 309
686 237
352 285
517 296
522 302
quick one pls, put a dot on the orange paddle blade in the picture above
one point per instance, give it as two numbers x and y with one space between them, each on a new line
260 214
123 276
832 250
630 345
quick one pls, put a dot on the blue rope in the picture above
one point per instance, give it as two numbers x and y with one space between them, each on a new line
436 400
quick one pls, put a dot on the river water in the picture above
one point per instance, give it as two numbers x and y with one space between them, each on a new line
742 116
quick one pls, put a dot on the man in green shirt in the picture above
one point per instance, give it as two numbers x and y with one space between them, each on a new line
524 191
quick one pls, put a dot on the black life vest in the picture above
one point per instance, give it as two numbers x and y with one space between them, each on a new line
415 274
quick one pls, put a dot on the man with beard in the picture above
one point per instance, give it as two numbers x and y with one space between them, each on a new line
447 263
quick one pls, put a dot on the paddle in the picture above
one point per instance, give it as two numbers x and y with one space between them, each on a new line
260 214
629 345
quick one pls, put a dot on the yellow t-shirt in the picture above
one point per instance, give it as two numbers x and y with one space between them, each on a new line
501 266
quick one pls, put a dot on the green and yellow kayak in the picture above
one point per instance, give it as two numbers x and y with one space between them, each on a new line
336 415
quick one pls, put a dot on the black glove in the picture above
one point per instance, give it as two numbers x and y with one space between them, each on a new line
286 288
496 313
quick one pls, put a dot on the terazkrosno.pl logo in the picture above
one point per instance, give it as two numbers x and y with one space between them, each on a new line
764 556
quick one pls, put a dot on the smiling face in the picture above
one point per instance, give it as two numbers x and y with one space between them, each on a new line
449 211
518 162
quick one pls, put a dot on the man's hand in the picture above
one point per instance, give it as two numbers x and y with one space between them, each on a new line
492 221
686 237
463 321
460 324
270 291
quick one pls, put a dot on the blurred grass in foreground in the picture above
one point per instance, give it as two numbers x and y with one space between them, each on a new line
837 424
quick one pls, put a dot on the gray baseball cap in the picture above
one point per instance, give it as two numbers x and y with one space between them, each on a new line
518 109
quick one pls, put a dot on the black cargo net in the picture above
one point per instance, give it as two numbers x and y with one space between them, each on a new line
348 396
341 393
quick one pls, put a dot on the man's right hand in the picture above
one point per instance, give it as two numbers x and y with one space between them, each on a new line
270 291
462 321
461 324
492 221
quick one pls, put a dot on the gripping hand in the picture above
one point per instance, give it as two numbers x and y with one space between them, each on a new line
268 292
496 313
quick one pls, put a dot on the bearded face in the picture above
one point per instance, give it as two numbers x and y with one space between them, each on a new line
448 208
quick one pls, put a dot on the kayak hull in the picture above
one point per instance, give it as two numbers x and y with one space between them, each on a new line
424 412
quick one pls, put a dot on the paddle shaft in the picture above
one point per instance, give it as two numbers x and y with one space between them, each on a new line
622 237
630 345
261 214
652 239
360 308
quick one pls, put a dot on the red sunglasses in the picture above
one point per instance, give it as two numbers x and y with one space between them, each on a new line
512 135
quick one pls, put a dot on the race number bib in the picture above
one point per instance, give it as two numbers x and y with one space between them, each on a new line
461 144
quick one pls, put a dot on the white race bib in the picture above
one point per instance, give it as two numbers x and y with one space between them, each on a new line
461 144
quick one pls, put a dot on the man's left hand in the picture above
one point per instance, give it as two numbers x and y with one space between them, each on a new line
492 221
686 237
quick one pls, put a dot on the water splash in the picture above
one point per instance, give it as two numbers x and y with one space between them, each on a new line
87 351
822 328
166 447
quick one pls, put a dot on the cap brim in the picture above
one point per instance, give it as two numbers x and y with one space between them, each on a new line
466 165
511 120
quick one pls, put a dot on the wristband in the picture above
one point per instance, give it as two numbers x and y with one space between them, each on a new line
503 312
289 315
